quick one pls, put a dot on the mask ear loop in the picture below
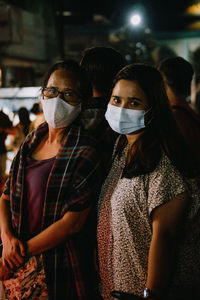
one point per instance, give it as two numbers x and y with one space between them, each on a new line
147 117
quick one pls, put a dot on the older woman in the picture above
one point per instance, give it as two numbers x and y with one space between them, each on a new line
47 208
149 208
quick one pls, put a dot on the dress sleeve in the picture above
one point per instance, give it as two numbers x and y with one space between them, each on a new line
86 181
165 183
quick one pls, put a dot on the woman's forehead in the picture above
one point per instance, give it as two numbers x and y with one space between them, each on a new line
128 88
62 78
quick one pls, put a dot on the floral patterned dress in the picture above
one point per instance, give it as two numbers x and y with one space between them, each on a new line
125 229
28 282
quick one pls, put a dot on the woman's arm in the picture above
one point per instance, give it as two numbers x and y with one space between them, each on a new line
5 272
167 221
4 213
13 249
57 233
11 130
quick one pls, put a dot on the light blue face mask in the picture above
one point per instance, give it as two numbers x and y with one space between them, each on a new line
124 120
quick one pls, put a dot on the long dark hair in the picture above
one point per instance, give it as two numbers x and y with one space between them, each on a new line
161 133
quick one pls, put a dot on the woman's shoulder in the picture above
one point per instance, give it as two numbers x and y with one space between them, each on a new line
83 135
165 163
81 140
166 169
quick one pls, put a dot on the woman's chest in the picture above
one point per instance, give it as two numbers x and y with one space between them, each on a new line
45 151
129 197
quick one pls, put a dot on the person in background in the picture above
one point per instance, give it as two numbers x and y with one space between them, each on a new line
5 126
149 205
47 207
195 87
24 121
177 74
195 93
160 53
20 131
39 116
101 65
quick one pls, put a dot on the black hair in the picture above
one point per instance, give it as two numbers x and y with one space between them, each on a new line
161 133
24 119
84 87
163 52
35 109
178 73
101 65
4 120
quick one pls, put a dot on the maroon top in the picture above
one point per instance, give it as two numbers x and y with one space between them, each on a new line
189 124
37 173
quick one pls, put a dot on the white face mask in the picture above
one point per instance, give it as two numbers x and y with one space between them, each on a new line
124 120
58 113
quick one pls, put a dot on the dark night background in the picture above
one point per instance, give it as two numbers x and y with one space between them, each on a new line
35 33
159 14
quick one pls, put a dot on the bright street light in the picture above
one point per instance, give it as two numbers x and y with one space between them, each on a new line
135 20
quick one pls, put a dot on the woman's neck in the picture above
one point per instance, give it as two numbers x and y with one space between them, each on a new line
55 135
132 138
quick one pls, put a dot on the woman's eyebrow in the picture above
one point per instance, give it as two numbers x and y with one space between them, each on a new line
135 98
56 87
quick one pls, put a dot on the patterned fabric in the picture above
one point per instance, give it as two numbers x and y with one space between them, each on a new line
72 185
28 282
125 228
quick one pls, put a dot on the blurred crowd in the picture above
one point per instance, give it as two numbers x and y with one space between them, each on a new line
12 136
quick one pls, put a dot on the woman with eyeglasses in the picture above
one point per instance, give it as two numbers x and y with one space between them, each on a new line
149 207
48 206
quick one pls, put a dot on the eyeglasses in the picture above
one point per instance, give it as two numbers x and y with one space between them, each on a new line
68 95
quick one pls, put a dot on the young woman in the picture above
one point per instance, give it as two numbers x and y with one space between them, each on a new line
149 216
46 210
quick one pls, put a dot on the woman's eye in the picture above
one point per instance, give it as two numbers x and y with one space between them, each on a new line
116 100
51 90
68 94
134 103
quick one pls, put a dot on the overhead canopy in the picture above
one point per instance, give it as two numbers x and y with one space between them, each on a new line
14 98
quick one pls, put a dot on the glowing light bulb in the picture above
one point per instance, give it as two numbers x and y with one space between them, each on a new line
135 20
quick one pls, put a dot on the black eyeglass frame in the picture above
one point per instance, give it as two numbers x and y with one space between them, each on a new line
57 92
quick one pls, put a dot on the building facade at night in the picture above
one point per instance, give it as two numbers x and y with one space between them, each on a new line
27 45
